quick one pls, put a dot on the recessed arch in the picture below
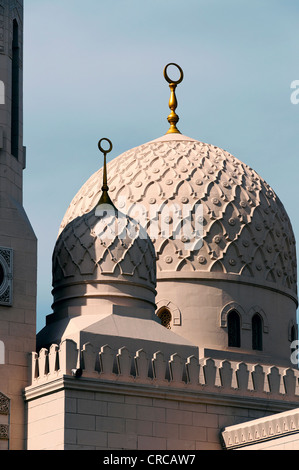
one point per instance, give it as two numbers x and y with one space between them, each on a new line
176 318
260 311
234 329
234 306
257 332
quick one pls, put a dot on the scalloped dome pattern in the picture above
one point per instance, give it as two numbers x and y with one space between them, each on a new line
246 230
87 250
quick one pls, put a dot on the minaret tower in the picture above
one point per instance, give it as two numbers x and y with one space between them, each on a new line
17 240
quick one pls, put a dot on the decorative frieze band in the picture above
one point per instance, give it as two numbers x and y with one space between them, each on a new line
254 380
261 430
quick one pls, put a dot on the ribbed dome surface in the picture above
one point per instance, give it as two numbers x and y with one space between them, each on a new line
246 230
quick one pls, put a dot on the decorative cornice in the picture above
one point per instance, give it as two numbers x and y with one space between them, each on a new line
156 389
260 430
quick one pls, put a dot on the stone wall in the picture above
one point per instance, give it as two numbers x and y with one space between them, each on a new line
117 400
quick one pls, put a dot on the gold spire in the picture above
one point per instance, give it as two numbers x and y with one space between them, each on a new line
105 198
173 117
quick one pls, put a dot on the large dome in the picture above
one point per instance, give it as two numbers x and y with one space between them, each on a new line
246 231
224 245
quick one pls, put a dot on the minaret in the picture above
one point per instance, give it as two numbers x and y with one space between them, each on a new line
18 252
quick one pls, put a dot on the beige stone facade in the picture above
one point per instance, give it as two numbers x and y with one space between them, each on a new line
148 403
18 250
159 339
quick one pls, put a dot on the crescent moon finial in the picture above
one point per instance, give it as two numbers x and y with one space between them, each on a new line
105 196
173 118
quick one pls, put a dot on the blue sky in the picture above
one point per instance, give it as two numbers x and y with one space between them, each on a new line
94 69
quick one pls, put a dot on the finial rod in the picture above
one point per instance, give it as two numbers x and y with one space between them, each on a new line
173 118
105 196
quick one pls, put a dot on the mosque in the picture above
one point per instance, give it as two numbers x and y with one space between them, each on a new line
173 323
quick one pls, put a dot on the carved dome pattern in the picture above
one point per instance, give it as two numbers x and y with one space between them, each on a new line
246 230
87 250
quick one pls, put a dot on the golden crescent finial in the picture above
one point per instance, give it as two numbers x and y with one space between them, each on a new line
105 199
173 118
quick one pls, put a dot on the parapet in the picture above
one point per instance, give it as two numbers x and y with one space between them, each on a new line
216 376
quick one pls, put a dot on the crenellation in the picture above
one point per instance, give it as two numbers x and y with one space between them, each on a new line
106 356
290 382
141 364
274 380
68 357
124 362
226 374
88 358
176 368
242 375
258 378
209 371
192 370
159 366
234 378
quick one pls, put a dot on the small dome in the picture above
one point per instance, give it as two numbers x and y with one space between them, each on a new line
102 246
106 245
245 228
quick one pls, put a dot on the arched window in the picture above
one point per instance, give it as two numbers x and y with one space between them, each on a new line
293 333
257 332
234 329
165 317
